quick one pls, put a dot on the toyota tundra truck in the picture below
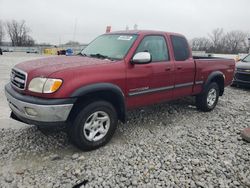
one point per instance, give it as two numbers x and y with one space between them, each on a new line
118 71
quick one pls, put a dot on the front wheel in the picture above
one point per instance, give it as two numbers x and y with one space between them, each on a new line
94 125
208 100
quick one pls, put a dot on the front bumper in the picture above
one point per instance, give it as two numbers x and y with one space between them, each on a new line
242 78
38 111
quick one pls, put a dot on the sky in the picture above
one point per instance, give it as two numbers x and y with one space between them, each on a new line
59 21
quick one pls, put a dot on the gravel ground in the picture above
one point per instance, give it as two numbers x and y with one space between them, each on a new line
166 145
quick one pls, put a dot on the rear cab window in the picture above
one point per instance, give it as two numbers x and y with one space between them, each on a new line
180 47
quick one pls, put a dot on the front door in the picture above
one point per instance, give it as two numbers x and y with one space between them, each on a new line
153 82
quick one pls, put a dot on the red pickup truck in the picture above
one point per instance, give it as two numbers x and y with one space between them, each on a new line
116 72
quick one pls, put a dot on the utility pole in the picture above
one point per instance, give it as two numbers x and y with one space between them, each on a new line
248 45
74 34
135 27
59 41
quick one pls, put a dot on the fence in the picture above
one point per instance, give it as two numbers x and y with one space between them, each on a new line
76 49
42 49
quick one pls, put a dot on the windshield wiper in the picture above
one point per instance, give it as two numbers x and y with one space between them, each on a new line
82 54
245 61
100 56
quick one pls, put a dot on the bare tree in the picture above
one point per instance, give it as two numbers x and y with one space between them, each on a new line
235 42
201 44
216 38
218 42
29 41
1 32
18 33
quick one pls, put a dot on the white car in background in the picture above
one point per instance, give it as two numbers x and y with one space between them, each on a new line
32 50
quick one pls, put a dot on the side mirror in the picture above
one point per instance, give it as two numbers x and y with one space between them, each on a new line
142 58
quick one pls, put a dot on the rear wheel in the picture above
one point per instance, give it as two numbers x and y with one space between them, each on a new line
209 98
94 125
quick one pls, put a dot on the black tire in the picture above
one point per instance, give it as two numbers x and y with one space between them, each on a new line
77 133
202 99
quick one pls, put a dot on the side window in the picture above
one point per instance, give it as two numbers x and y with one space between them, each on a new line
181 50
156 46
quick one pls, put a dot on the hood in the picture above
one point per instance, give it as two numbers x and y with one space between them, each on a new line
243 65
46 66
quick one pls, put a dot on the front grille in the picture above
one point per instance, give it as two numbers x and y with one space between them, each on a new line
243 77
18 78
243 70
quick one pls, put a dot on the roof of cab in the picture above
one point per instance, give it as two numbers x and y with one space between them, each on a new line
145 32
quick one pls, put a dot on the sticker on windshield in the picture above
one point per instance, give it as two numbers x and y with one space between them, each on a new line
124 37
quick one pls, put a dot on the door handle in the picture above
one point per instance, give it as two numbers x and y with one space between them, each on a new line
179 68
168 69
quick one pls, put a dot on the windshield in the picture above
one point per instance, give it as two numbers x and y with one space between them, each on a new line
111 46
247 58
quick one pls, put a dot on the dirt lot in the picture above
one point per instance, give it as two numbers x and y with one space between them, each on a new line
167 145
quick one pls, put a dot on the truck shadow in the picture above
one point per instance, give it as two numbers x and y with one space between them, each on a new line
147 119
166 109
240 87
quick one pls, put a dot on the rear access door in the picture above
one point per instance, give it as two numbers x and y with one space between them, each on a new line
184 67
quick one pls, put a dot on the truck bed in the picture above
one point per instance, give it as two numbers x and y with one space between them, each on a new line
206 65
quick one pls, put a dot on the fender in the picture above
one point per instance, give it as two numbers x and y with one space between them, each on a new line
216 74
104 87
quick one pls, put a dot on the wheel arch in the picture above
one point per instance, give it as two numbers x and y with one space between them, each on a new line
217 77
100 91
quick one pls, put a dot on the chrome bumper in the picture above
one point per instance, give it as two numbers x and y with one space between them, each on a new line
39 113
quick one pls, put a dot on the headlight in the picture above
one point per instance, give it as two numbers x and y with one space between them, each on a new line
44 85
36 85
